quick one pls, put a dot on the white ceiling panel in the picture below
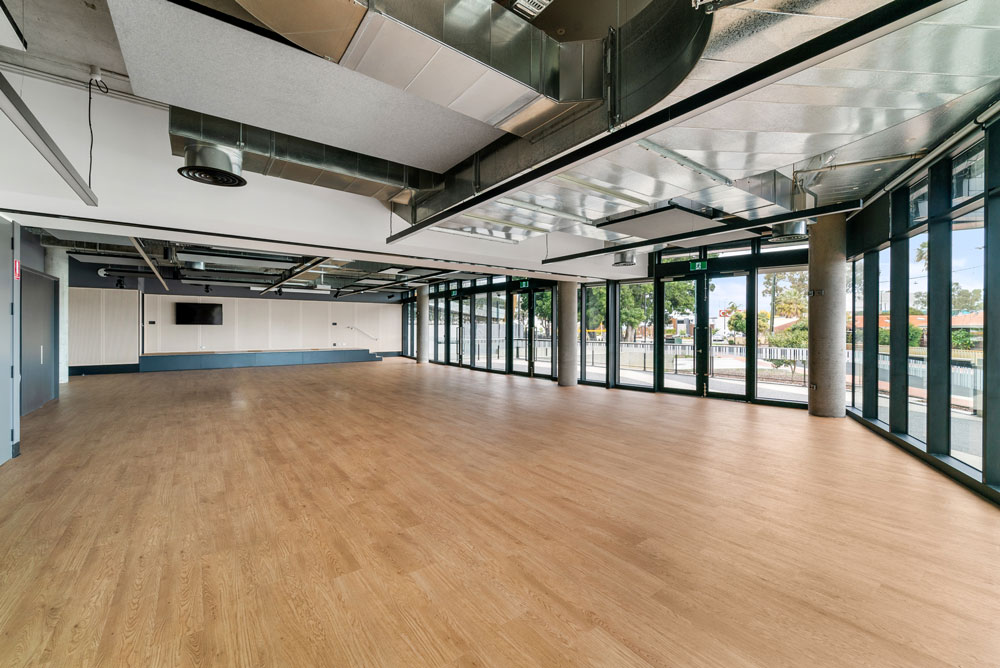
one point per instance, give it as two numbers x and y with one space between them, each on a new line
672 221
184 58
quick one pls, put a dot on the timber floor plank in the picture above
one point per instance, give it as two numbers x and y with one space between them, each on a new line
396 514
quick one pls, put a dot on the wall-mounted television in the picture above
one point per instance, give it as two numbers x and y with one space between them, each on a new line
189 313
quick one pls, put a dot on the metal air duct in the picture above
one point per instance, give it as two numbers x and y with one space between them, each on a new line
216 151
624 259
213 165
783 233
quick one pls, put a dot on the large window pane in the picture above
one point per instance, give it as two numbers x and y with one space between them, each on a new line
543 332
918 201
596 333
917 347
849 336
454 325
858 335
440 329
727 364
884 301
679 321
782 333
479 321
635 346
520 333
498 328
968 174
967 292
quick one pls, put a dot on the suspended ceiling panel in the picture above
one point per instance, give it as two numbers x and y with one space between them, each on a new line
181 57
672 221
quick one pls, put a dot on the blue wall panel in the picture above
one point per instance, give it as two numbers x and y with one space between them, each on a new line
236 360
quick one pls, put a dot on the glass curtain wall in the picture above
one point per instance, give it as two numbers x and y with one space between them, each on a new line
480 323
968 243
783 334
635 343
727 363
595 331
916 363
440 330
857 335
543 332
498 329
454 327
679 321
519 363
884 301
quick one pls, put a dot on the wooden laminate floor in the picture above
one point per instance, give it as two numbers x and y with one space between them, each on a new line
385 514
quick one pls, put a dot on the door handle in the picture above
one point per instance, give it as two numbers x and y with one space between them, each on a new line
41 354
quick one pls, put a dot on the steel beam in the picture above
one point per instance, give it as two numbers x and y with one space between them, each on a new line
899 311
295 272
939 310
149 263
17 111
991 372
855 33
869 359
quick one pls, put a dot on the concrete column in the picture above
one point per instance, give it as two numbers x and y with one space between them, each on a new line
568 349
827 315
423 330
57 264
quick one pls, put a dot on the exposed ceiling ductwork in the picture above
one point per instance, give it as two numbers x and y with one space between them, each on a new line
783 233
216 151
213 165
473 56
201 265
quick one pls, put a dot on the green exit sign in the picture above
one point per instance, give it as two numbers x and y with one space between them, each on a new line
454 293
699 265
524 284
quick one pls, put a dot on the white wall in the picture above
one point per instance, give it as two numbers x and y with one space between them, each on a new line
104 326
273 324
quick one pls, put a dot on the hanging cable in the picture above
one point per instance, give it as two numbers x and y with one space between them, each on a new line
103 87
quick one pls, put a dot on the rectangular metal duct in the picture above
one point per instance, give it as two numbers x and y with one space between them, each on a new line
477 58
275 154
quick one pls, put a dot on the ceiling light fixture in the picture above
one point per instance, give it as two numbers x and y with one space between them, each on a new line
538 208
505 223
686 162
601 189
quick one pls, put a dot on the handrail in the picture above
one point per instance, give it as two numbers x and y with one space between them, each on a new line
358 329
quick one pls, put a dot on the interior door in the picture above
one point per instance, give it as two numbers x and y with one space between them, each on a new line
39 340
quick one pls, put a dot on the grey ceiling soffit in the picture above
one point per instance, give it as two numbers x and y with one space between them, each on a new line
275 154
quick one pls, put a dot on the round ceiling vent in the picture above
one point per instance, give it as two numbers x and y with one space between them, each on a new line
784 233
624 259
213 165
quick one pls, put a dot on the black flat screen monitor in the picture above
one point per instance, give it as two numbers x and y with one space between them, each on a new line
188 313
